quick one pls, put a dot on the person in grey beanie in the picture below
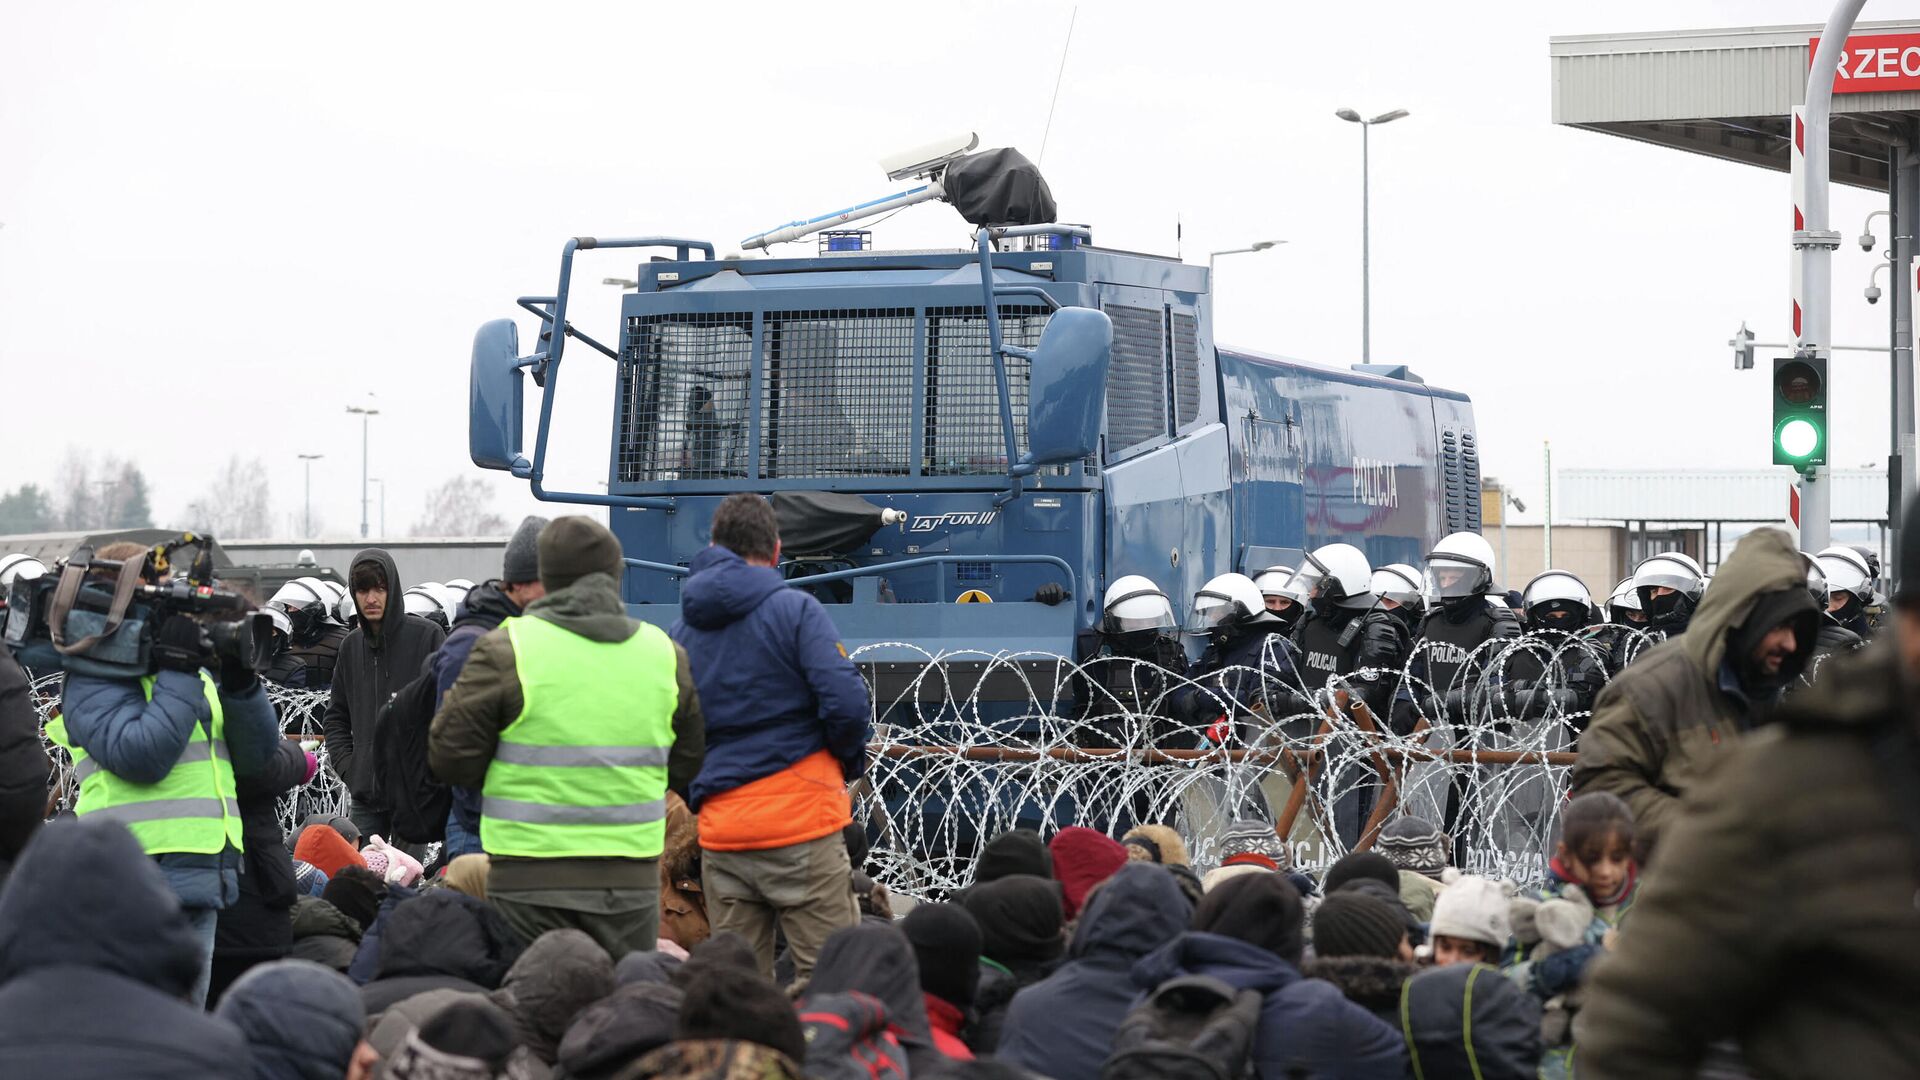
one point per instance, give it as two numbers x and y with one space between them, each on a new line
487 605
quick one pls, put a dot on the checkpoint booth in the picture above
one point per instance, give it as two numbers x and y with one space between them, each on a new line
1733 94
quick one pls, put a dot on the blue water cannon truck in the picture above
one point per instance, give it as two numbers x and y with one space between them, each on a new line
1025 416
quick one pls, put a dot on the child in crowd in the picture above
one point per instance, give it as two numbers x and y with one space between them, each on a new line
1564 925
1471 922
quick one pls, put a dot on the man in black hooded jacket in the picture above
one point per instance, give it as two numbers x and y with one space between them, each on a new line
96 961
385 652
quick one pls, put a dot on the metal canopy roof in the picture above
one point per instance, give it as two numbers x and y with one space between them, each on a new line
1723 93
1670 495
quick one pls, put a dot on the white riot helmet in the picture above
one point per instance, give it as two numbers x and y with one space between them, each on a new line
1399 583
1669 570
1336 573
455 594
1274 581
1225 600
462 584
1134 604
279 620
1817 584
18 565
305 603
1623 599
1846 571
429 601
1460 566
1553 592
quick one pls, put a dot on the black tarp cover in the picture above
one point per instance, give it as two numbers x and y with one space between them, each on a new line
998 187
823 522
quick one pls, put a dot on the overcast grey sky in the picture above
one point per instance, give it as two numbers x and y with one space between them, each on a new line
225 222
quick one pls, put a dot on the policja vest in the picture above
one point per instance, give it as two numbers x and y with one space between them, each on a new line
582 772
1322 653
191 809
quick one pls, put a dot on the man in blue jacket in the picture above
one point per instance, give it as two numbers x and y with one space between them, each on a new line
160 754
787 719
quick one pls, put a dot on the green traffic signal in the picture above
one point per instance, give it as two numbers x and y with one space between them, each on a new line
1800 411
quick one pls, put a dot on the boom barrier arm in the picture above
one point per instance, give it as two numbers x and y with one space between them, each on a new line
544 363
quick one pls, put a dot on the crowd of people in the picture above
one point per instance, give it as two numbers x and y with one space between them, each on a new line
580 845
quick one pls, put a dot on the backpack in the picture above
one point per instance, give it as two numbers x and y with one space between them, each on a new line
850 1037
1191 1028
401 778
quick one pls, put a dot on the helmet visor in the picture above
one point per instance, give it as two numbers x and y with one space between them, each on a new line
1450 577
1210 610
1308 581
1666 574
1143 610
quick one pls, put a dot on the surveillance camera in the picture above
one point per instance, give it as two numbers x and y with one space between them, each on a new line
1867 241
1873 294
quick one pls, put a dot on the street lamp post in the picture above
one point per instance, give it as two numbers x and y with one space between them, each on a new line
383 505
1366 239
307 521
1257 245
365 414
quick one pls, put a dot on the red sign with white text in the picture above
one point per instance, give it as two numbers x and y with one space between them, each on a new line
1875 64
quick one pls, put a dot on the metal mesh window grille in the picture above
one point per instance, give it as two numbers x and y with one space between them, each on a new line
1137 378
963 402
1186 368
684 384
837 393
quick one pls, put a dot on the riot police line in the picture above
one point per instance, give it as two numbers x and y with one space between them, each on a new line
1374 692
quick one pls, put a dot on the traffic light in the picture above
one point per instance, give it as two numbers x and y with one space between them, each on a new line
1800 411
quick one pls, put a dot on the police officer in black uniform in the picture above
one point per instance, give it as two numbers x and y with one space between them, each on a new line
312 635
1559 671
1464 612
1128 665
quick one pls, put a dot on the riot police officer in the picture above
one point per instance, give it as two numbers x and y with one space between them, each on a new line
1832 637
1464 612
1401 594
1128 662
1669 587
1344 633
1273 583
1559 670
312 634
1248 666
1850 579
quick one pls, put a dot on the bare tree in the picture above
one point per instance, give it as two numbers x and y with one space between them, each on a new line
236 505
463 506
108 494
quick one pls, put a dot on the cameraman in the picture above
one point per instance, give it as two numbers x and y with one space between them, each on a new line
160 754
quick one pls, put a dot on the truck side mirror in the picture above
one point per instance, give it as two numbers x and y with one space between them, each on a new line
495 396
1067 389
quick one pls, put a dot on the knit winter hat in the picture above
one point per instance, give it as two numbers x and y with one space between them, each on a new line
301 1019
1157 843
357 893
724 1002
1260 909
572 547
1083 858
307 878
391 863
1016 851
1352 923
1250 840
1474 909
1020 919
1415 844
469 1039
521 563
321 847
1362 864
946 941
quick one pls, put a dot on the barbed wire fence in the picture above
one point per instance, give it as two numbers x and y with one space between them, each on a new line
970 744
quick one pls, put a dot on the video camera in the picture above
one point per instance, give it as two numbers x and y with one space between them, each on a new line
99 617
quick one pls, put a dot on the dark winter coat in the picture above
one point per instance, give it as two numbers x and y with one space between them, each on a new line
441 939
1504 1025
482 612
1123 676
139 740
257 927
878 961
96 960
1380 643
1371 982
561 973
324 934
486 697
1452 657
617 1029
1063 1025
374 662
302 1020
23 764
1555 664
1254 668
1666 721
1780 908
775 683
1306 1027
